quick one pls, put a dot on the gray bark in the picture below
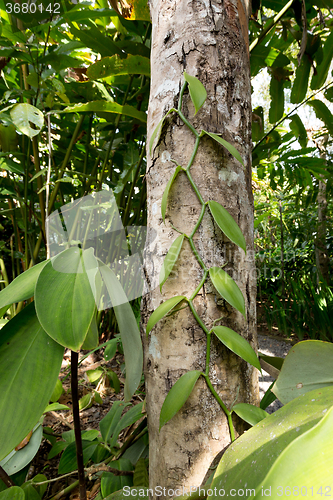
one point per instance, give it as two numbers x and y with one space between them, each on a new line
207 40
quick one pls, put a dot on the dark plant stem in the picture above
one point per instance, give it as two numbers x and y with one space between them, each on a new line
77 429
5 478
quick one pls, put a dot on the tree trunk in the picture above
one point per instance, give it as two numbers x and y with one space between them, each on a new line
207 40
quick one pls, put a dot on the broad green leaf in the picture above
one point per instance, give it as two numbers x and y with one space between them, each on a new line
237 344
110 349
268 398
162 311
167 188
140 476
130 417
250 413
23 380
323 113
30 492
227 145
300 85
297 127
107 107
115 65
11 166
92 337
170 259
307 366
248 460
57 391
227 288
178 395
197 91
277 99
227 224
111 483
56 407
68 462
64 301
94 39
322 69
108 424
129 331
28 119
13 493
17 460
312 453
272 360
22 287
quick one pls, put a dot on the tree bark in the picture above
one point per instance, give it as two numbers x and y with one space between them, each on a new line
207 39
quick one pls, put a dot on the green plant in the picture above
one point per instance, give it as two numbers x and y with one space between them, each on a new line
222 282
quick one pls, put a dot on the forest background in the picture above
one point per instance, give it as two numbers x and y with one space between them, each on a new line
75 77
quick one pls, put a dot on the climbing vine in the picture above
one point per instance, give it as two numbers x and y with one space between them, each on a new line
221 280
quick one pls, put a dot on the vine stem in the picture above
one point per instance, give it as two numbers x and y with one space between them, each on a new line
5 478
77 427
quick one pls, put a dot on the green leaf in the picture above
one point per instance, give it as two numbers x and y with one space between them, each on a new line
167 189
110 349
30 492
227 145
157 131
13 493
92 337
64 301
312 452
23 287
56 407
17 460
111 483
140 477
107 107
297 127
68 461
178 395
130 417
277 100
23 380
227 288
300 85
57 391
197 91
95 40
323 113
227 224
115 65
319 78
307 366
250 413
108 424
237 344
162 311
129 331
28 119
248 460
170 259
114 381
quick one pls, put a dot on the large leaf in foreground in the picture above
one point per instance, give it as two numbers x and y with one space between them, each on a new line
22 287
13 493
307 366
178 395
237 344
227 224
129 331
30 363
248 460
64 301
227 288
306 464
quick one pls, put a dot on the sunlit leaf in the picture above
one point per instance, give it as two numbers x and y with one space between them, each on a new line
237 344
227 288
178 395
107 107
28 119
250 413
197 91
115 65
227 224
